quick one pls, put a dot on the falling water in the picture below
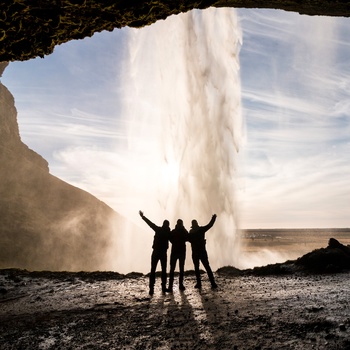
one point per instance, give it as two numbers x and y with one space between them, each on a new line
181 102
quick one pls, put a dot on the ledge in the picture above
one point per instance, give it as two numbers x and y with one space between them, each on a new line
33 28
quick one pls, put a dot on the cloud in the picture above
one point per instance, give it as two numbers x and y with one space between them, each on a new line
295 95
295 85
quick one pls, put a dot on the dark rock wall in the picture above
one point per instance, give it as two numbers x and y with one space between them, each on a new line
10 141
3 65
45 223
33 28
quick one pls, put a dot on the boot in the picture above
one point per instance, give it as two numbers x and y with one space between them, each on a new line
213 285
198 284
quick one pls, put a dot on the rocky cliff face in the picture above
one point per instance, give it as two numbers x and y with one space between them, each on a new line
45 223
32 28
10 141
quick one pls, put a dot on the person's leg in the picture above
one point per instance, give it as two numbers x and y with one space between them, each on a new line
172 271
163 262
195 259
205 262
152 275
182 270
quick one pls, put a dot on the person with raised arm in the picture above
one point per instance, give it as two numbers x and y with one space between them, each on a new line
199 251
160 247
178 239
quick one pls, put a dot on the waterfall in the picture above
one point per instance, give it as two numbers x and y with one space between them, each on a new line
181 104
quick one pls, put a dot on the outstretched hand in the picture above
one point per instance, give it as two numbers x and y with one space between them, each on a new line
141 213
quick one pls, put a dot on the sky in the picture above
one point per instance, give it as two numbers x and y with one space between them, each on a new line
293 166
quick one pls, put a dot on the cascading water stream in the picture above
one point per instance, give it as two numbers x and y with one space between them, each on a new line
181 102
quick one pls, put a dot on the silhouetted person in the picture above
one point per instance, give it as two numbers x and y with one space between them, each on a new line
160 247
178 238
199 252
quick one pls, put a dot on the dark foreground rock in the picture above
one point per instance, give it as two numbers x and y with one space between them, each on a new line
332 259
107 310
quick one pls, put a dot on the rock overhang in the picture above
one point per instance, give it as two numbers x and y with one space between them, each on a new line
30 29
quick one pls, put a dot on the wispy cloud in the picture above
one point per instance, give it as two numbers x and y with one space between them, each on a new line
295 156
296 98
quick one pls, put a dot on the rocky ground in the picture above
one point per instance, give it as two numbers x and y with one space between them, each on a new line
300 304
104 310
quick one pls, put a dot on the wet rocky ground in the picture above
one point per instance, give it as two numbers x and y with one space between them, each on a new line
104 310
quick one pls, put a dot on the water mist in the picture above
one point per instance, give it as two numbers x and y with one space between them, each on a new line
181 105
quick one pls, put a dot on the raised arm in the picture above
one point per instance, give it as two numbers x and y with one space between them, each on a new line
211 223
148 221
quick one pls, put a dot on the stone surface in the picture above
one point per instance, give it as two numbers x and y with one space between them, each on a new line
30 29
112 311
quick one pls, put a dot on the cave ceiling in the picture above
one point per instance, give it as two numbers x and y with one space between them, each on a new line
30 29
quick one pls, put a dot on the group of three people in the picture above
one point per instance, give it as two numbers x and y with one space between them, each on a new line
178 238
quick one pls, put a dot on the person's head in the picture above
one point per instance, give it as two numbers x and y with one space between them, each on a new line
194 224
179 223
166 223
